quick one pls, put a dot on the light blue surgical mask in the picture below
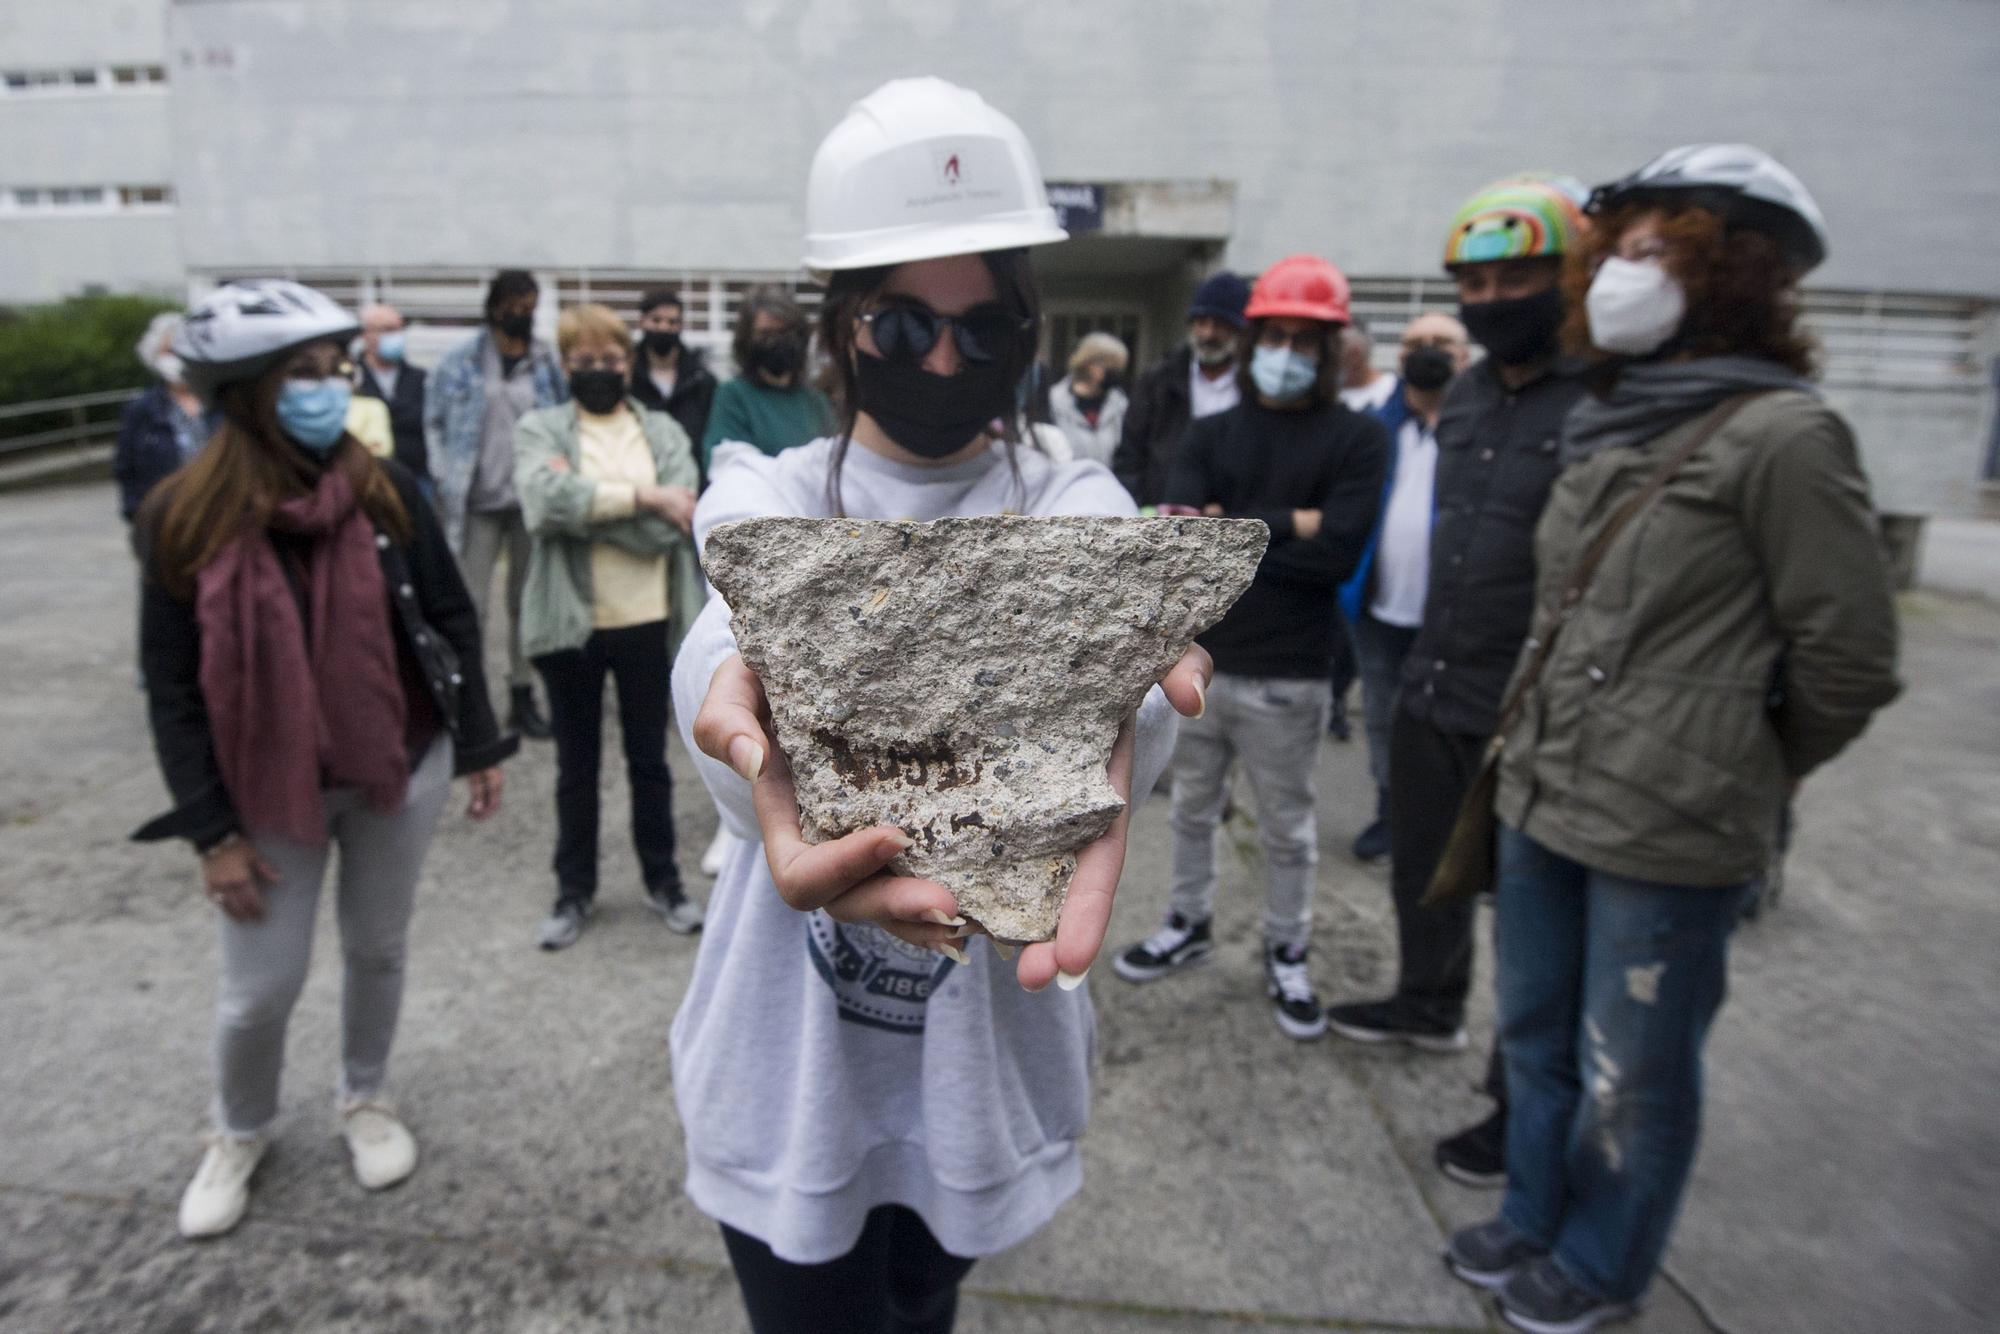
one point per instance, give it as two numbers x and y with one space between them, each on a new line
1280 373
314 412
389 346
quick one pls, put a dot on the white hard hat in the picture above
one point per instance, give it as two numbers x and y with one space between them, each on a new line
241 329
918 169
1746 185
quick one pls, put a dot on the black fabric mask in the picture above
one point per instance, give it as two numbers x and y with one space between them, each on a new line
662 342
515 326
778 355
930 415
1519 330
597 391
1427 368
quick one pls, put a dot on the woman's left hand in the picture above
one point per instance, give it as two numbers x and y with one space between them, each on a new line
486 787
677 507
1086 913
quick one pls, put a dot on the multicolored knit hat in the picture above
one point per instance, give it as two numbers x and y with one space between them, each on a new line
1522 217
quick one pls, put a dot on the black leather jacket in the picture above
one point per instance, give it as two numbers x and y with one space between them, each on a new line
1498 455
437 641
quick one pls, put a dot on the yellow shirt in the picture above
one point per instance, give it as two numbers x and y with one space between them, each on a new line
368 422
626 588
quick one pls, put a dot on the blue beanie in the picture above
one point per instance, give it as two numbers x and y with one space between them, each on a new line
1222 295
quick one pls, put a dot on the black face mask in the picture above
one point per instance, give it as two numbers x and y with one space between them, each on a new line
778 355
597 391
662 342
516 326
1519 330
932 416
1427 368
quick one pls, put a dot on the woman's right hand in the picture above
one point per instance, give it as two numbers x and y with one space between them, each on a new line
233 876
845 875
675 504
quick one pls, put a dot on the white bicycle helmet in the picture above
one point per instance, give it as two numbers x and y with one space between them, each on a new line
918 169
238 331
1746 185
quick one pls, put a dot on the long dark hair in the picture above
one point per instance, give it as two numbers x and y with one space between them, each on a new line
1326 384
851 289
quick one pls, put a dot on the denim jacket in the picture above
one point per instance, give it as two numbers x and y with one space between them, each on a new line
455 415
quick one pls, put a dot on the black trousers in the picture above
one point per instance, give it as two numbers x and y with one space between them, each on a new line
1344 669
1429 772
636 658
896 1280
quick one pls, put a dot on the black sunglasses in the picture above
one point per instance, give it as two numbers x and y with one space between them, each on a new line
908 330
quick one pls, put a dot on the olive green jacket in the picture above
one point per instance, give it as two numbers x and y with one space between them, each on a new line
556 604
1737 635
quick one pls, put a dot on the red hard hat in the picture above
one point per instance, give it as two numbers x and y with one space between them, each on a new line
1303 286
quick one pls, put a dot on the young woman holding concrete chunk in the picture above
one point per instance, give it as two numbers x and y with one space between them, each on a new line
862 1144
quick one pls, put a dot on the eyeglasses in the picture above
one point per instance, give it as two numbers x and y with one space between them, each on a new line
320 368
586 364
1642 249
1305 340
908 330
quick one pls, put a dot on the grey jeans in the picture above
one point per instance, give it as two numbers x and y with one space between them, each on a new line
485 536
1273 726
264 962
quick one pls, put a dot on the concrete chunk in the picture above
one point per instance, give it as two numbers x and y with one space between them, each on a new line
966 679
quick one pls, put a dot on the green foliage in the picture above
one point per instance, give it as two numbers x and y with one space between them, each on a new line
77 346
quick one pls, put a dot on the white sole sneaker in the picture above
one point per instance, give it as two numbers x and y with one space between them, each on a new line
716 853
1133 973
383 1151
1299 1032
1439 1044
215 1201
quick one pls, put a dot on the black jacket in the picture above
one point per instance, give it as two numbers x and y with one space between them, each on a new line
694 393
1497 458
1262 464
437 642
406 415
147 448
1154 423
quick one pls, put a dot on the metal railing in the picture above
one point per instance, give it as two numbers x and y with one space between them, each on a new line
80 419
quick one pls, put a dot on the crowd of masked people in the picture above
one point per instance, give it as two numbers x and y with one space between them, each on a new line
1597 552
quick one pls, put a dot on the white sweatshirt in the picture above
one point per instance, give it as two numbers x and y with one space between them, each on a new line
822 1069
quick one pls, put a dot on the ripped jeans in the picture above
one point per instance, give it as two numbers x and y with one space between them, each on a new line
1607 988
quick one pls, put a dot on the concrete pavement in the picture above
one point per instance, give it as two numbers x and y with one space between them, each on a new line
1235 1180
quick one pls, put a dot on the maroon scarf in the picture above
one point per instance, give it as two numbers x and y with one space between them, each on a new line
287 723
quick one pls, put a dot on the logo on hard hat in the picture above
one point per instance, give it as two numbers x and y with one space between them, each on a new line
947 165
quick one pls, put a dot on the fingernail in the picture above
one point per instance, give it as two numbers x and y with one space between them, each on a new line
1200 697
746 757
967 930
1071 981
901 842
934 915
1003 949
952 952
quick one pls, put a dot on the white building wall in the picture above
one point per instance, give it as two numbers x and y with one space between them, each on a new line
664 133
105 136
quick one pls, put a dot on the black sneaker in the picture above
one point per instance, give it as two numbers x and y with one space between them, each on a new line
1177 945
682 914
1477 1155
561 927
1293 1003
1337 725
1386 1021
1488 1254
1541 1299
1372 843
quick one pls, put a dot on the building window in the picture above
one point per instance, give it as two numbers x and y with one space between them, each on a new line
92 79
86 199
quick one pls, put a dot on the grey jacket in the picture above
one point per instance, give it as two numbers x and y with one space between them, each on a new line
1738 634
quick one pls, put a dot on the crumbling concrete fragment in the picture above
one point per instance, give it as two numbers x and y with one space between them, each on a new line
966 679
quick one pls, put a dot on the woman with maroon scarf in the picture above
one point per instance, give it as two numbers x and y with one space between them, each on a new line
313 677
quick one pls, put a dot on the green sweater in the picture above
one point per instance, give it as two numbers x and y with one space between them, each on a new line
749 410
556 607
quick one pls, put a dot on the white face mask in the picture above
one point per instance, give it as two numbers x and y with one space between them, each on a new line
1633 308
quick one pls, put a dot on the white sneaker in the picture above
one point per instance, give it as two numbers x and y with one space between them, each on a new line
382 1147
718 852
214 1201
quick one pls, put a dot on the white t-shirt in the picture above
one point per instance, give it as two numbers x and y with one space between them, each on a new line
1403 552
1207 397
1371 395
664 381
